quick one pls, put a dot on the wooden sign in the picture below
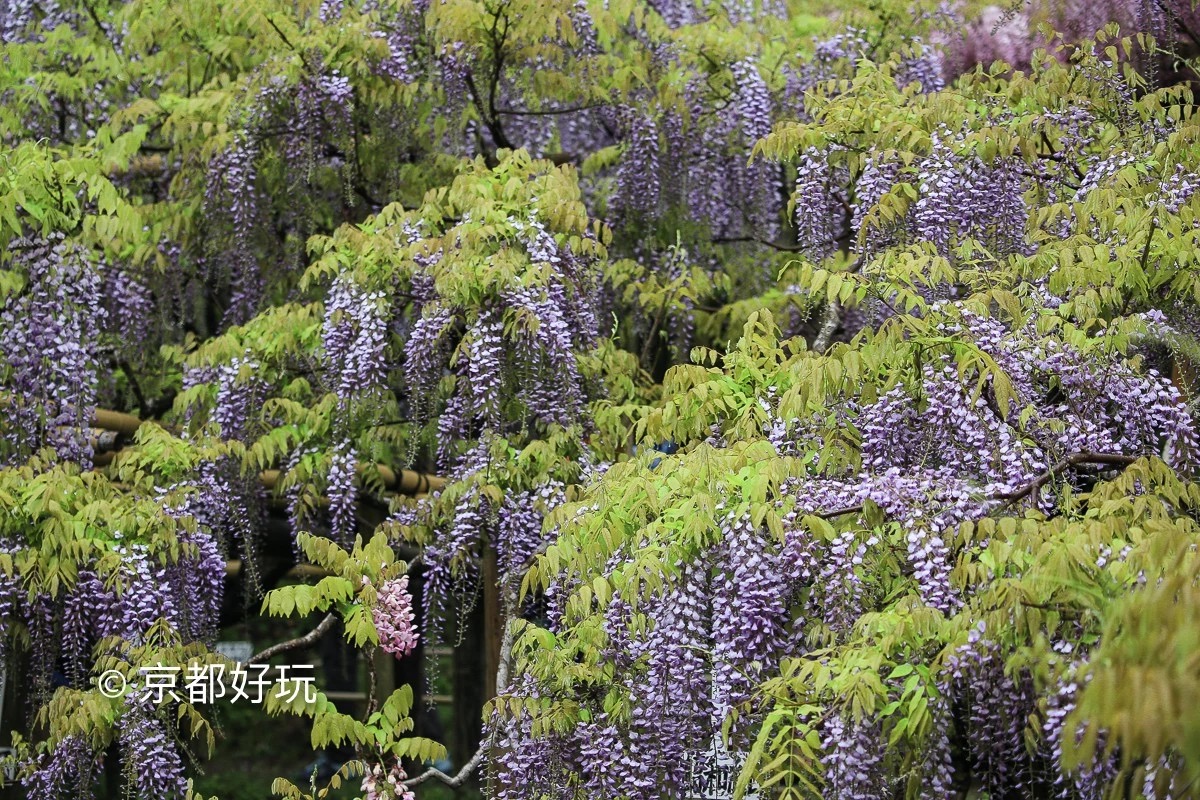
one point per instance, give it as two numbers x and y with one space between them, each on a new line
713 772
239 651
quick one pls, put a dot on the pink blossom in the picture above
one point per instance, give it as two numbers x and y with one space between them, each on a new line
393 617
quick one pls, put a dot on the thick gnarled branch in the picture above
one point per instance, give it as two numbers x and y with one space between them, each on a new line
1073 460
1009 498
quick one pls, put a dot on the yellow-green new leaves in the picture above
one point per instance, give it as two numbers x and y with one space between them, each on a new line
48 189
350 588
65 520
1143 683
385 731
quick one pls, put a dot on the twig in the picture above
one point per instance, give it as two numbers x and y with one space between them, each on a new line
833 317
457 779
841 512
102 28
134 386
373 678
662 310
787 248
549 112
301 642
282 35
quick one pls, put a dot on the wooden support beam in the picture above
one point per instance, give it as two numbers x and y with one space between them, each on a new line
404 481
114 426
234 567
125 424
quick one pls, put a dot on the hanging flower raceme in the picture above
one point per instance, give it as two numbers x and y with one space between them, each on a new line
354 335
380 785
513 352
48 350
151 757
231 196
394 618
638 182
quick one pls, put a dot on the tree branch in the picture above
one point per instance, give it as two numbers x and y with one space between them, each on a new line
833 317
829 325
841 512
1074 460
457 779
516 112
301 642
787 248
101 27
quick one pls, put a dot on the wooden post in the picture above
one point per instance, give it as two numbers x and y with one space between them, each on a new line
385 675
468 683
493 625
494 621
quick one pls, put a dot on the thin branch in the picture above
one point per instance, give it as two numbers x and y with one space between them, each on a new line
457 779
103 30
134 386
841 512
282 35
299 643
372 686
516 112
1146 250
1074 460
833 318
787 248
662 310
491 124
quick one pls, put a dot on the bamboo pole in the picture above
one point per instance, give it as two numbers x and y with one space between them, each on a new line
234 567
405 481
125 424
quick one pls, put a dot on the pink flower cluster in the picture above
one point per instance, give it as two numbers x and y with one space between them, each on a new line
393 617
377 786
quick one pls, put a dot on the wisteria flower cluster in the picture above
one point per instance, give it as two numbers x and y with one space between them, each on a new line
380 785
394 619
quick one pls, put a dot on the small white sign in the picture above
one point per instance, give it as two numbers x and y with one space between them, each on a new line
238 651
10 764
714 772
